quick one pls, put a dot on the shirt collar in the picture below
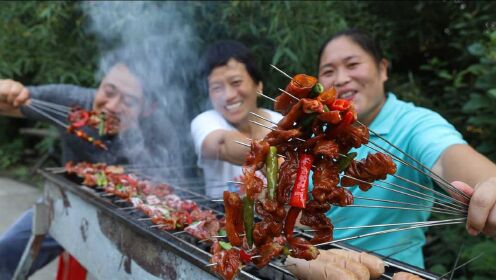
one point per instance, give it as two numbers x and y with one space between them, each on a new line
385 120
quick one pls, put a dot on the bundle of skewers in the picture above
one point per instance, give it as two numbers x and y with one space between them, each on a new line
74 119
315 139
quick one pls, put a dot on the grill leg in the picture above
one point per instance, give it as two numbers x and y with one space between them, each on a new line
41 223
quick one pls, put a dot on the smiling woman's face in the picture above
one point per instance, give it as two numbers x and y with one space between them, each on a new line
355 74
233 92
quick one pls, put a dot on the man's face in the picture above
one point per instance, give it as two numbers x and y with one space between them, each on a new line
120 94
355 75
233 92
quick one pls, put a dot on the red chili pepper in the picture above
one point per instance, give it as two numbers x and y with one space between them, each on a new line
244 256
83 119
299 193
340 105
348 118
291 221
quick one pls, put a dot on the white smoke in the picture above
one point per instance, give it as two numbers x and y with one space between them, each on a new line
156 39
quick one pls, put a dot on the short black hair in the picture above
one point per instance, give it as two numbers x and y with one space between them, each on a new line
361 38
220 52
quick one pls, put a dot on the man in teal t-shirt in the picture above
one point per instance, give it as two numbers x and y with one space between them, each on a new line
406 126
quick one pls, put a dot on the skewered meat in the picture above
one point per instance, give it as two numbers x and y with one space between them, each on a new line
252 183
227 262
327 148
374 167
300 86
287 176
203 229
234 217
258 152
279 136
106 123
267 252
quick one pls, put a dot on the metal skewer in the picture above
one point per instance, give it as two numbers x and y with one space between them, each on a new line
462 265
423 225
268 97
450 186
391 224
48 116
53 105
443 186
404 203
425 196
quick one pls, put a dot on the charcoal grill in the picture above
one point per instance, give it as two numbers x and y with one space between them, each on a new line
108 239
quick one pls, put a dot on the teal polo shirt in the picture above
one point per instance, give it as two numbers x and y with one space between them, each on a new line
421 133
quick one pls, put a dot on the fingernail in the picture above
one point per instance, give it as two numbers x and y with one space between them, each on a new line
472 232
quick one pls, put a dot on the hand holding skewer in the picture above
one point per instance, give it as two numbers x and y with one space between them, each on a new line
12 95
482 206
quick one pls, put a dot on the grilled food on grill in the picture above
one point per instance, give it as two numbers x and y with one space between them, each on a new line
155 200
337 264
318 270
374 264
406 276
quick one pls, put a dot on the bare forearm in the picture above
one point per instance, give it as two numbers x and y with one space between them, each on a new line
221 145
463 163
231 151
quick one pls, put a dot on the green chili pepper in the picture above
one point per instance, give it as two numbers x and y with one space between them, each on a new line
272 171
225 245
248 219
222 232
101 125
343 162
317 89
101 179
286 251
326 109
165 213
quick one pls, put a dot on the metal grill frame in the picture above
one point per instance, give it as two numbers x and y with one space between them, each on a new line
176 254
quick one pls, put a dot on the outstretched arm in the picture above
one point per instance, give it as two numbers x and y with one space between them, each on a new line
220 145
475 175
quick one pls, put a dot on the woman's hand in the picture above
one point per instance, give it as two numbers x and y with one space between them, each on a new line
482 206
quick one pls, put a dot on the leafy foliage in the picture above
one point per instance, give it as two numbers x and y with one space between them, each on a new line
41 43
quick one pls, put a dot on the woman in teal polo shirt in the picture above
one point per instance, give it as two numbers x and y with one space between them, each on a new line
353 63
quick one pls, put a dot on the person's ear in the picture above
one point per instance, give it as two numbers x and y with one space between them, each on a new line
260 86
383 69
